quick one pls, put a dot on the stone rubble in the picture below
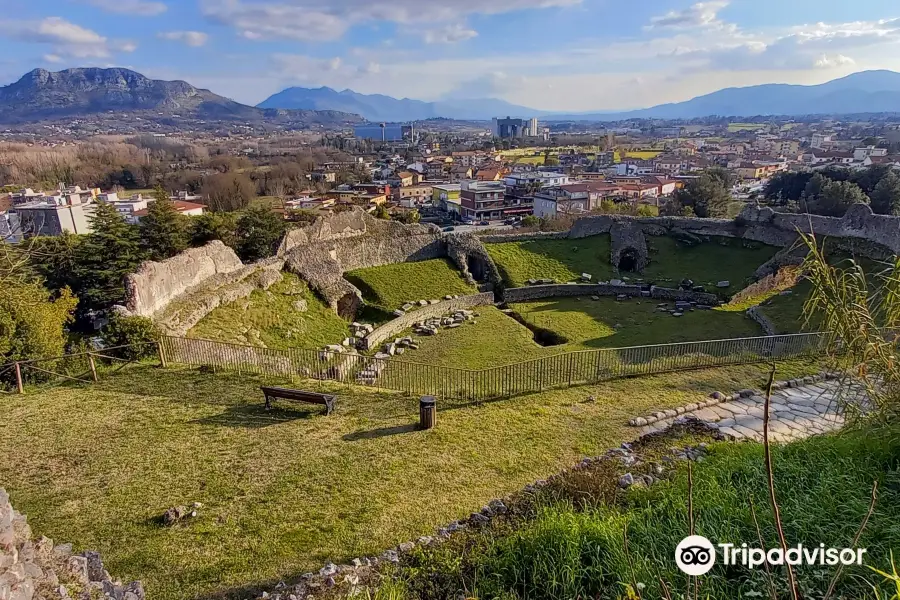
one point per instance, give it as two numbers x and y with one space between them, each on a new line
37 569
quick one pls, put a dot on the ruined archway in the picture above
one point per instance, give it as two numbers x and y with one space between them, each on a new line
477 268
629 261
348 305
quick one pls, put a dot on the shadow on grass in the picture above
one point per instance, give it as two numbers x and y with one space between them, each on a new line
381 432
253 416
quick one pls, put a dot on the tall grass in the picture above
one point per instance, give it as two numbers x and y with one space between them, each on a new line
824 486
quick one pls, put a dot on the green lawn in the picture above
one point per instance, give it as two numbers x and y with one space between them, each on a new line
269 318
497 339
392 286
285 491
589 324
562 260
721 259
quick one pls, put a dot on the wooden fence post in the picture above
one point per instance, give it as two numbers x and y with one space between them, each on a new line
162 355
19 383
93 367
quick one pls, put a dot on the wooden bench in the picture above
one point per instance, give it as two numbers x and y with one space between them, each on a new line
271 393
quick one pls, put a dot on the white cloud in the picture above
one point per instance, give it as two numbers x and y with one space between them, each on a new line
819 46
66 38
195 39
52 58
702 14
141 8
313 20
449 34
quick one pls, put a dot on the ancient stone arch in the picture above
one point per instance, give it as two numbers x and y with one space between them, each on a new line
629 252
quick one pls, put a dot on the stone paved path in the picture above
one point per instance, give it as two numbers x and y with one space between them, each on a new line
796 413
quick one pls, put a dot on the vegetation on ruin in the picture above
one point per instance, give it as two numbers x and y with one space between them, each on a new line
391 286
573 545
272 318
561 260
287 490
672 259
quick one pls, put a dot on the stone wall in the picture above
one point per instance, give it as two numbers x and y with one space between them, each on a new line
537 292
32 569
499 238
155 284
756 314
187 310
628 247
394 327
323 252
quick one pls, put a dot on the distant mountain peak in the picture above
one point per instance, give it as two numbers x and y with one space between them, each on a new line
379 107
42 94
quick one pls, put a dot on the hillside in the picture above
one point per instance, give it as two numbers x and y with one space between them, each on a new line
864 92
378 107
42 94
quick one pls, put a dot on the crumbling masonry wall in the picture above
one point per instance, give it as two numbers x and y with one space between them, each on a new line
538 292
323 252
32 569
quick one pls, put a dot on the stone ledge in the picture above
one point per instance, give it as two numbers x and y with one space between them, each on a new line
718 398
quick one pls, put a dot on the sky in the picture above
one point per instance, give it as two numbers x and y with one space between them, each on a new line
560 55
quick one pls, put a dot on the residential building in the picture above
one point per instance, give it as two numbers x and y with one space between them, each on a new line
403 179
128 206
820 141
861 154
413 196
526 184
444 193
483 200
533 130
640 191
52 217
323 176
188 209
459 173
470 158
309 203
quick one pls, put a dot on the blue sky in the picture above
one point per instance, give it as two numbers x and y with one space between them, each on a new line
547 54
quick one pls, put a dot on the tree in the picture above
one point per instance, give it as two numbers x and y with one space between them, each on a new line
213 226
164 231
868 179
707 195
409 217
55 259
228 192
381 212
33 322
786 186
106 255
835 198
886 195
259 231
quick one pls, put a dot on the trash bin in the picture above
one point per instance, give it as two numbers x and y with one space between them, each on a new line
427 412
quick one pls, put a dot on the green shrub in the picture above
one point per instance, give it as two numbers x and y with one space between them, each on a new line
138 334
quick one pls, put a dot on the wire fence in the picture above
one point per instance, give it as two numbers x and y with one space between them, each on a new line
461 385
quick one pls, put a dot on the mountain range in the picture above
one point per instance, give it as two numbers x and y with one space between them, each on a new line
377 107
73 93
864 92
42 94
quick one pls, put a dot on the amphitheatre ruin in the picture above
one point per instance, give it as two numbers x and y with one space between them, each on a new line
181 479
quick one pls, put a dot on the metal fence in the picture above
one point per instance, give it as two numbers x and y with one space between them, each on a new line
561 370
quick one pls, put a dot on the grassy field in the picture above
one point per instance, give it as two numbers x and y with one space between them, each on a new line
735 127
269 318
574 546
589 324
670 261
562 260
643 154
391 286
498 339
285 491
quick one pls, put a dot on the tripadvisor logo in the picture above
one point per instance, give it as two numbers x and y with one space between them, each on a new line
696 555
